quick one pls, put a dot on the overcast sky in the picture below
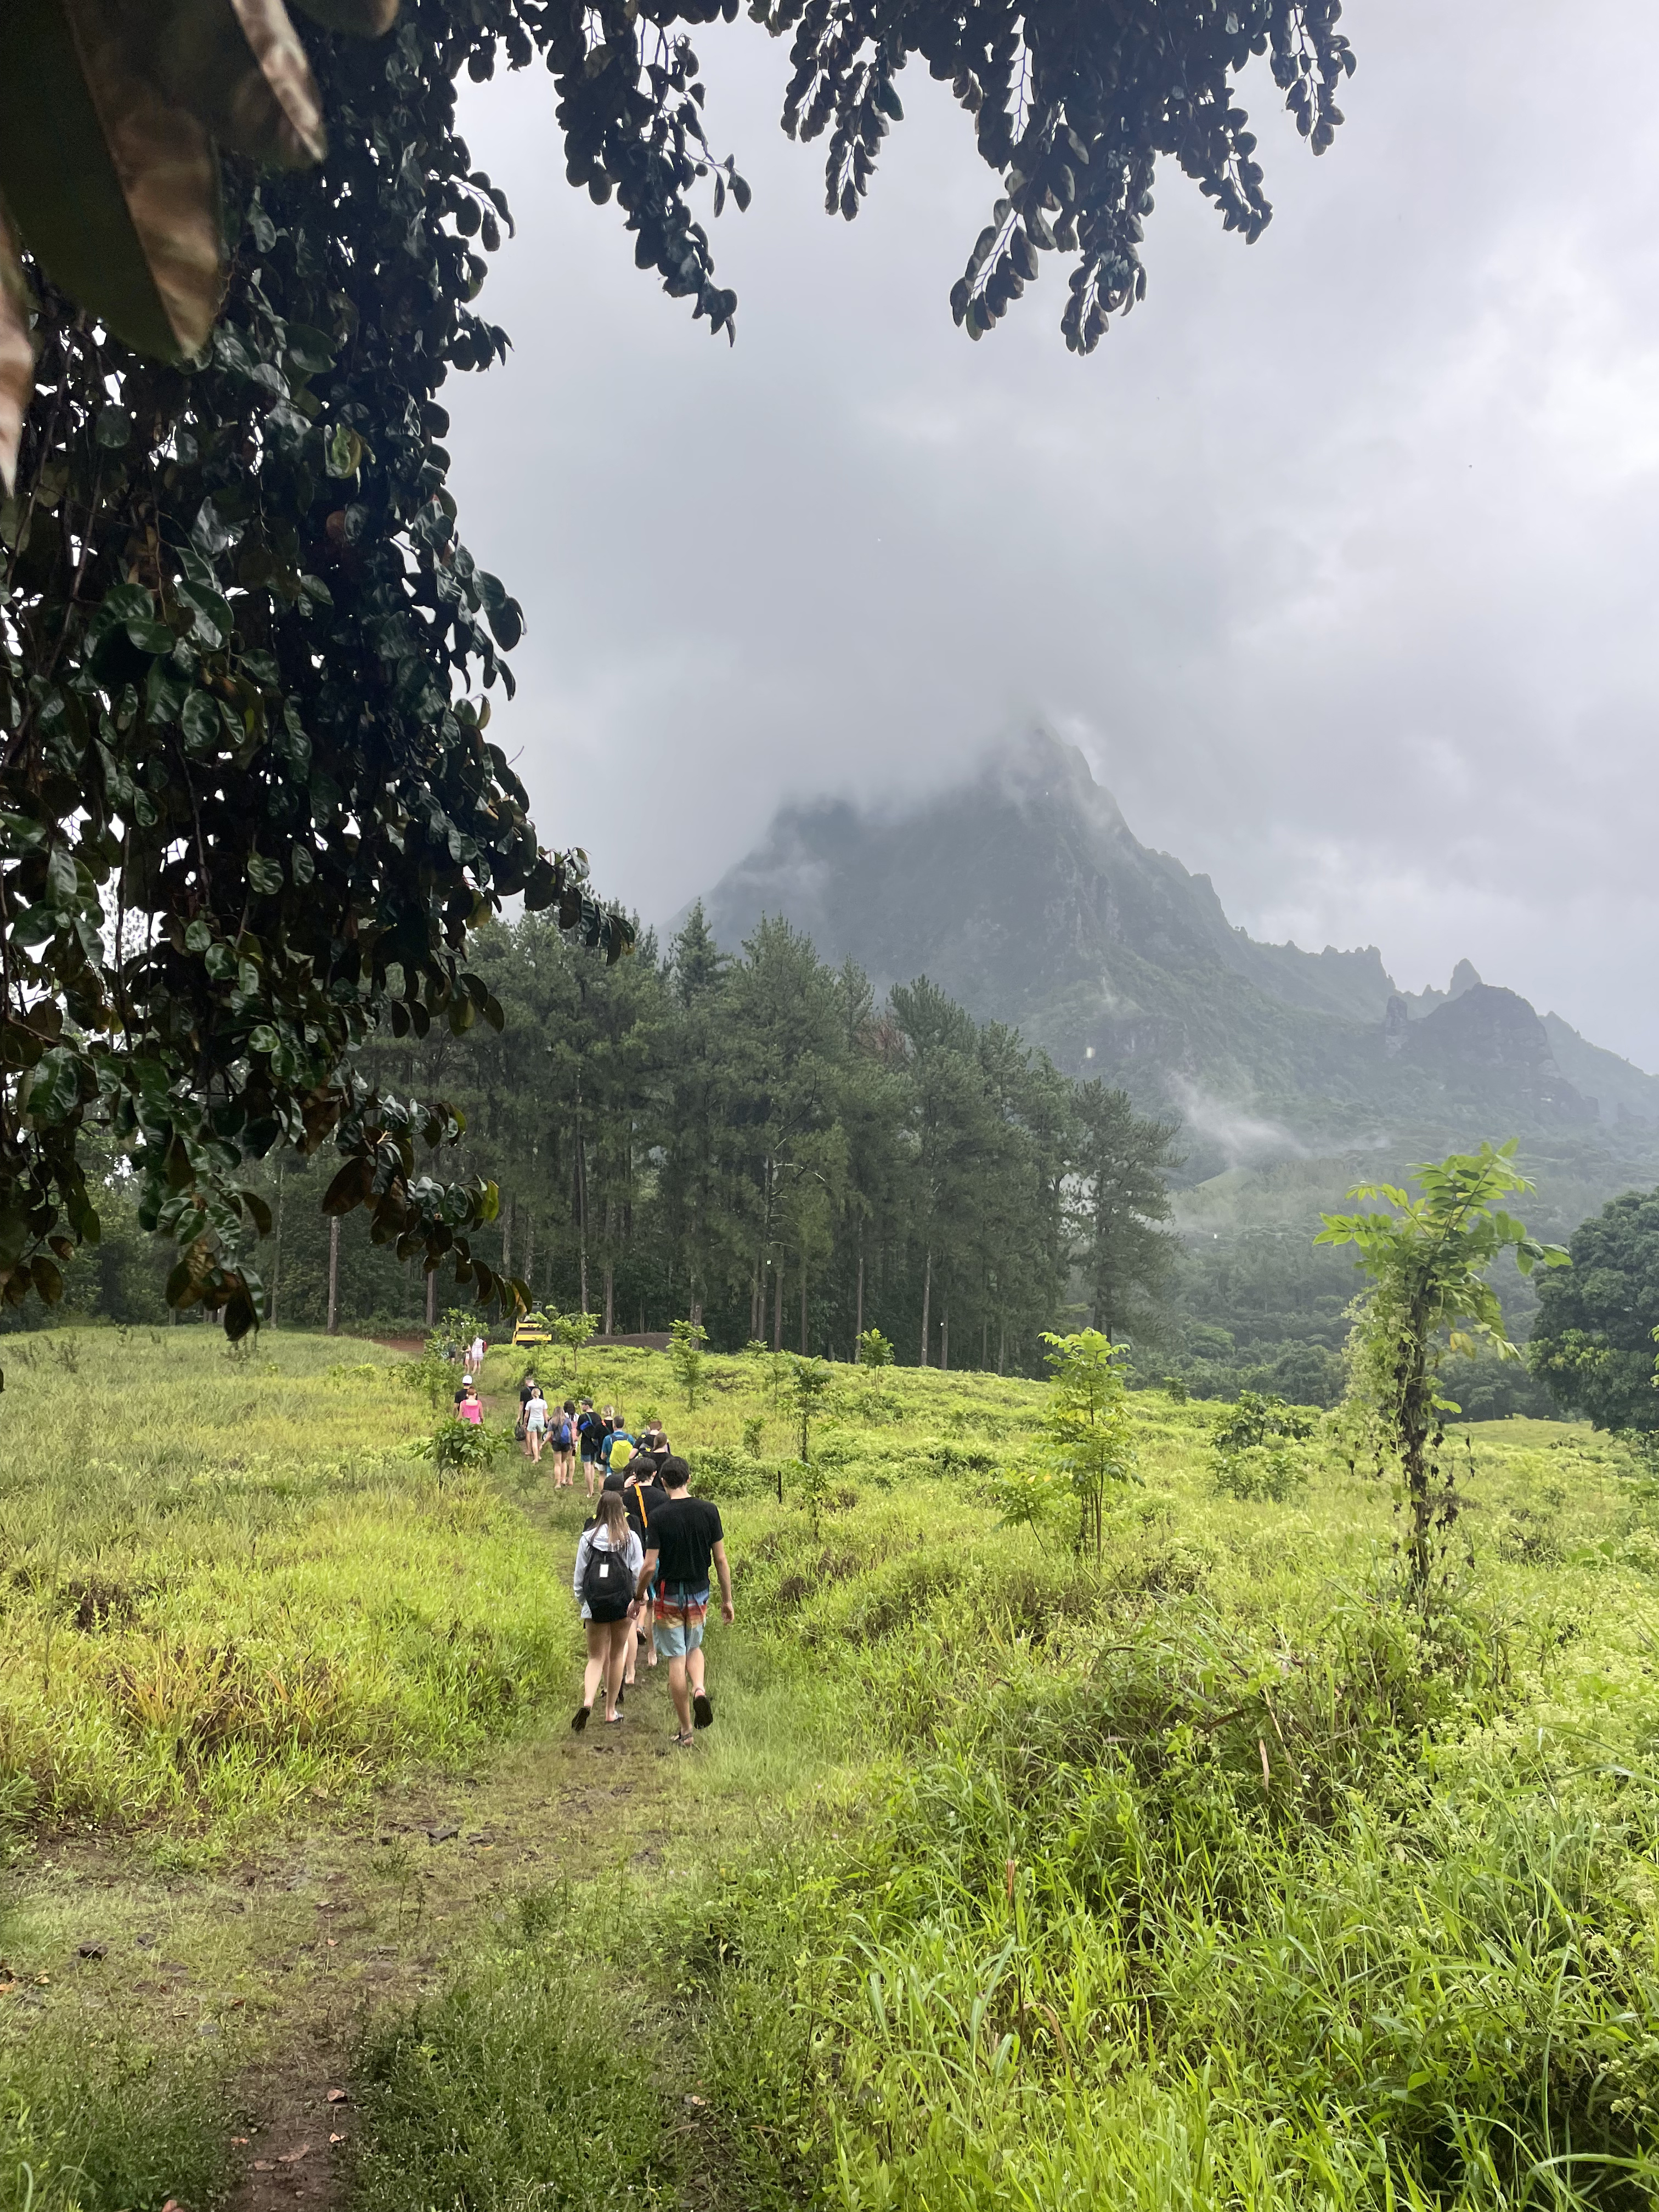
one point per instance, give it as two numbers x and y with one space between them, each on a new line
1338 558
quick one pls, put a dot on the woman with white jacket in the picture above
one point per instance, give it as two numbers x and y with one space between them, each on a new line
608 1562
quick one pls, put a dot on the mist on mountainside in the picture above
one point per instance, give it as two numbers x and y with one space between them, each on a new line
1024 894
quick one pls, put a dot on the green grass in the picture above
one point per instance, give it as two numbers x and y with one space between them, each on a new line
225 1587
94 2127
1190 1877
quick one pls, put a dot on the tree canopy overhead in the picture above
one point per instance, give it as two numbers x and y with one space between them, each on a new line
249 811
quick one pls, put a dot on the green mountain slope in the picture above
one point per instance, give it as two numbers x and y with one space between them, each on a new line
1024 894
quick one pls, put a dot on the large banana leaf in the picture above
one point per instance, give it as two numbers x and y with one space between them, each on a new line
110 114
238 67
116 192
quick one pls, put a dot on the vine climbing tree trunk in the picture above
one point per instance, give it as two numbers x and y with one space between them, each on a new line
1419 1440
277 1254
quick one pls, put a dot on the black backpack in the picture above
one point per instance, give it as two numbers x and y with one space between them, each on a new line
607 1585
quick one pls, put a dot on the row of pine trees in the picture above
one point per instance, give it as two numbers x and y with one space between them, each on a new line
757 1143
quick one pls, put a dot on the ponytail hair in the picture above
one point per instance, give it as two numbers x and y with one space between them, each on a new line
613 1519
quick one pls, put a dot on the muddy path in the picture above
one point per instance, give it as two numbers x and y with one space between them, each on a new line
396 1903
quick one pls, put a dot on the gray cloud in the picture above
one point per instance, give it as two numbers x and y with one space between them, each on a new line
1337 559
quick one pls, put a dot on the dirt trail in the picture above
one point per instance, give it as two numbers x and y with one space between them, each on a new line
392 1911
395 1902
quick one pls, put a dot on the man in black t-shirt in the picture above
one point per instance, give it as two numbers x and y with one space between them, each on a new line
682 1538
643 1498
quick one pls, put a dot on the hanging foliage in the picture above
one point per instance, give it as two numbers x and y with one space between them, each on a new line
249 809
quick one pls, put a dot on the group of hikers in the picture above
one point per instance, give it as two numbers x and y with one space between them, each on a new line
643 1562
575 1429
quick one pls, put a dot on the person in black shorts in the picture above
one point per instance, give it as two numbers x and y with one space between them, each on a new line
682 1538
644 1497
590 1434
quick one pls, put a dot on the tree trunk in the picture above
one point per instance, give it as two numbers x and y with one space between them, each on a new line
276 1256
1002 1349
334 1274
984 1344
945 1338
609 1298
507 1237
927 1301
803 1302
529 1252
777 1310
1418 1442
858 1320
431 1298
756 1316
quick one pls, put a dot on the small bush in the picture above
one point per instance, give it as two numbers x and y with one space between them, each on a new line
1259 1471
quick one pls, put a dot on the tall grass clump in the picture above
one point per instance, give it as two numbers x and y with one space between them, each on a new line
531 2080
98 2131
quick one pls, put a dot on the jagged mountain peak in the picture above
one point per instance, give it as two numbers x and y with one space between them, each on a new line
1026 873
1024 894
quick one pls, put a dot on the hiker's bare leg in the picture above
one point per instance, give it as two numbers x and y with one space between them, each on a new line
599 1644
680 1690
694 1669
621 1635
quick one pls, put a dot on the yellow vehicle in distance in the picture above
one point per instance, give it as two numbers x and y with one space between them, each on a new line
533 1329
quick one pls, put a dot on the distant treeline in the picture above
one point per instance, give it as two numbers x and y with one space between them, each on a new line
755 1142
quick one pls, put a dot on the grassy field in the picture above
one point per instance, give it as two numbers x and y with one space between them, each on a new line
1005 1879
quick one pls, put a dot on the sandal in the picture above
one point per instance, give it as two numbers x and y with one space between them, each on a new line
683 1742
579 1718
613 1720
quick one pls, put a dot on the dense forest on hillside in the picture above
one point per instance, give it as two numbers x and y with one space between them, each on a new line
755 1142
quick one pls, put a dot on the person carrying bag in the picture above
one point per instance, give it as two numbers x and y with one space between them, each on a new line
608 1558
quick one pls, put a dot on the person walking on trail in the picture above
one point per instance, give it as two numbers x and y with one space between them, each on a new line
590 1434
535 1422
527 1391
468 1405
684 1537
609 1561
475 1357
564 1445
644 1497
616 1485
618 1446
